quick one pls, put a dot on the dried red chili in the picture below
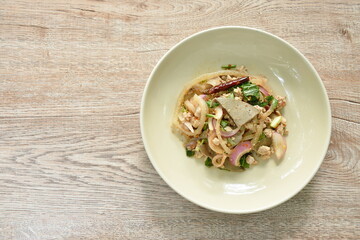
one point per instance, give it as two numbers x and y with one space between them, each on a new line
227 85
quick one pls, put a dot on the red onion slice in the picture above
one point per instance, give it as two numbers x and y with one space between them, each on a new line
203 96
230 133
191 145
239 151
263 91
213 120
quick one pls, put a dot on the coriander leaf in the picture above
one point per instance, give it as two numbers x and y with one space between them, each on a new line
243 162
208 162
190 153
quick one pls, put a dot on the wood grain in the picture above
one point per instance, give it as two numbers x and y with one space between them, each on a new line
72 163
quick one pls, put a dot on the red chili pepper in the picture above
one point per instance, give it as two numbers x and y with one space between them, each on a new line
224 86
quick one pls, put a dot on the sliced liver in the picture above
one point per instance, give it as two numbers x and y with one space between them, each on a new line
241 112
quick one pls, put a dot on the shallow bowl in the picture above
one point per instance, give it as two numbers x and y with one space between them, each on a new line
290 74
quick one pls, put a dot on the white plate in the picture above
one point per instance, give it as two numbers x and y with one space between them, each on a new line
290 74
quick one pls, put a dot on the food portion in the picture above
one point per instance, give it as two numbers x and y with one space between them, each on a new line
231 119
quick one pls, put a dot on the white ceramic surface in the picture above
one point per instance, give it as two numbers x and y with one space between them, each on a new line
290 74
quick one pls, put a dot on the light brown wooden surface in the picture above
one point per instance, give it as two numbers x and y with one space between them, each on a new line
72 162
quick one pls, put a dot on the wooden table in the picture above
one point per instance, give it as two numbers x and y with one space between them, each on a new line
72 162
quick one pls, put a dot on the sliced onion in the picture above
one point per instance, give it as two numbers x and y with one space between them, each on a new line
189 126
248 137
239 151
214 147
279 145
213 121
218 160
263 91
191 144
204 110
197 112
210 124
230 133
218 112
189 106
258 132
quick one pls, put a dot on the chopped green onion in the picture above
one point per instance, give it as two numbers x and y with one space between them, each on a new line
190 153
229 66
208 162
210 115
275 122
274 103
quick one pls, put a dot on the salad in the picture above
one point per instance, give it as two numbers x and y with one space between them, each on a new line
231 119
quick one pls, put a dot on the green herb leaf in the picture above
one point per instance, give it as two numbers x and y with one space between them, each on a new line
251 92
268 99
212 104
243 162
206 126
262 136
208 162
224 123
229 66
190 153
210 115
201 141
